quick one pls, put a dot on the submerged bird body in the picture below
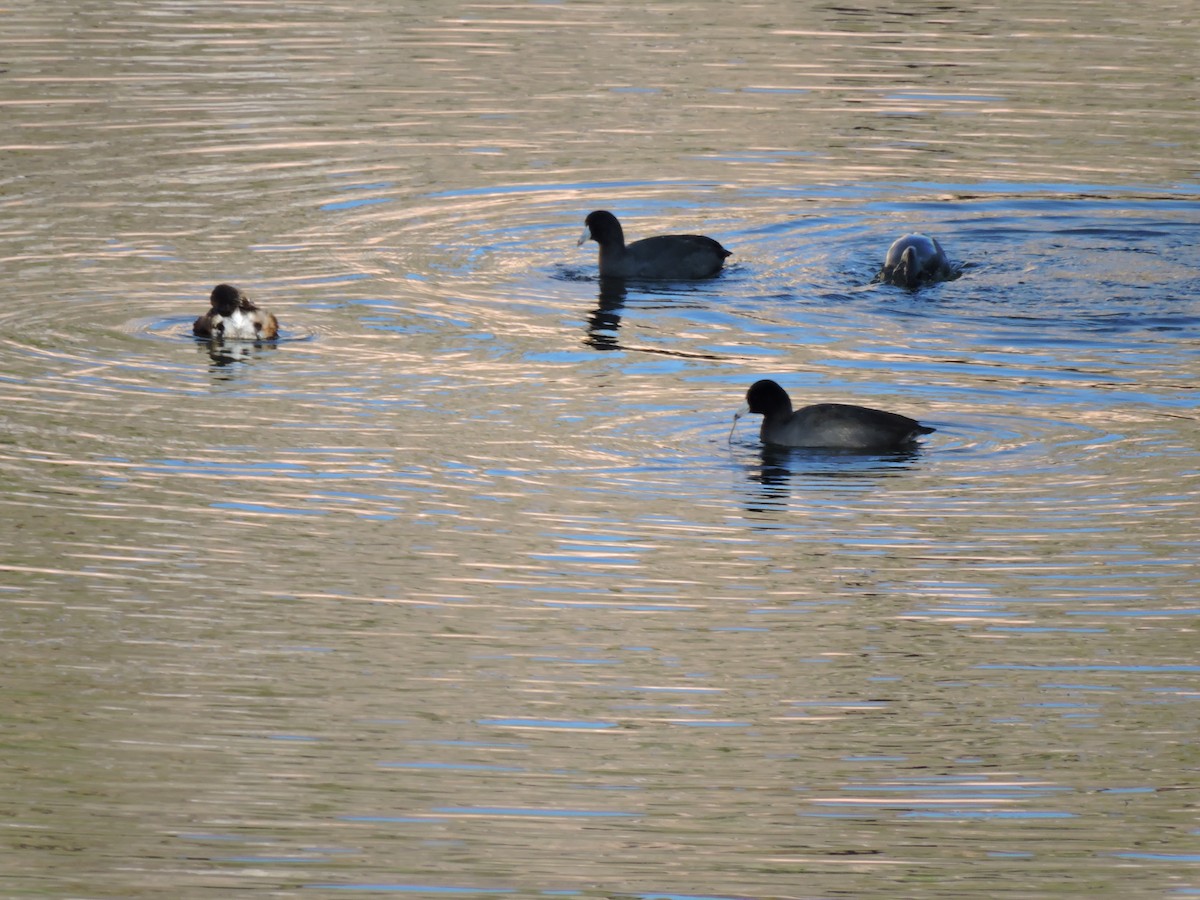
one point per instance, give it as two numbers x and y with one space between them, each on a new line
235 317
664 257
830 426
916 259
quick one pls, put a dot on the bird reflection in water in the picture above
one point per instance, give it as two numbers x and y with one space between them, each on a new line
775 471
224 356
605 320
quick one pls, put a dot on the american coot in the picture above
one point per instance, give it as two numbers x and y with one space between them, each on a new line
234 316
667 256
916 259
833 426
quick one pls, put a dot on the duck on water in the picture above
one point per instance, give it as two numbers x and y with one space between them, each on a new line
916 259
234 316
829 426
662 257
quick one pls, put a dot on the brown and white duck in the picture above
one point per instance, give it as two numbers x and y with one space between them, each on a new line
233 316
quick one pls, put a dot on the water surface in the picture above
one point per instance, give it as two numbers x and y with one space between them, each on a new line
461 588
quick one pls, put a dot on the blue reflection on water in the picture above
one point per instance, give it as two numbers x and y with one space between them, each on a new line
263 508
351 204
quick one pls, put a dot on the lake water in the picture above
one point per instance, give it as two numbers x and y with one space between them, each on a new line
461 588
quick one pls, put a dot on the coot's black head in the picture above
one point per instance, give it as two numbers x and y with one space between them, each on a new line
602 227
766 397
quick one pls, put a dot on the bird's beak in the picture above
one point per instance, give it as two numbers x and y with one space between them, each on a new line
585 237
743 410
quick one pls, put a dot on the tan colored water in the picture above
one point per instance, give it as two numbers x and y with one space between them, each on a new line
459 588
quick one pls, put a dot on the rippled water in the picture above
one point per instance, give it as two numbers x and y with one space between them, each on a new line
460 587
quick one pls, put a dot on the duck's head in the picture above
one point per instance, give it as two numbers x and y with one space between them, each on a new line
766 397
601 226
226 299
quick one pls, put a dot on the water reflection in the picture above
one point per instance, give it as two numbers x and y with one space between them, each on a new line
614 294
605 320
775 472
225 356
447 520
791 462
